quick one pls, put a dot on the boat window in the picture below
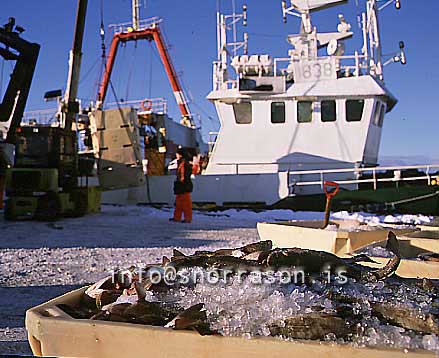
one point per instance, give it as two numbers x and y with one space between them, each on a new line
243 112
354 110
376 113
382 114
304 111
278 112
328 111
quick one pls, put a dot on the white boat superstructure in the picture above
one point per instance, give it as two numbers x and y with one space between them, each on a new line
290 123
318 108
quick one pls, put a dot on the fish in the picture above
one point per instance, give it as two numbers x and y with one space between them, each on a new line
310 261
266 245
240 259
260 246
344 319
313 326
359 258
106 297
213 262
193 318
407 317
141 312
190 317
144 312
77 312
177 253
258 256
314 262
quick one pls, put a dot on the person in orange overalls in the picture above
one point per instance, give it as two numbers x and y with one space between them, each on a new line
182 188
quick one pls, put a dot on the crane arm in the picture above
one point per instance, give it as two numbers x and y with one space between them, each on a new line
14 100
172 75
69 107
155 34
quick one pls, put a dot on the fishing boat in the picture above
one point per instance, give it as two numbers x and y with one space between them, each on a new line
288 124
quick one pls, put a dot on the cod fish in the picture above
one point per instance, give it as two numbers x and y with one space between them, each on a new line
313 326
407 317
194 318
261 246
316 262
219 262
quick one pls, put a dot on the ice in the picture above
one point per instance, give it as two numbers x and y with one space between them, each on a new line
244 307
376 251
239 307
408 219
430 342
389 219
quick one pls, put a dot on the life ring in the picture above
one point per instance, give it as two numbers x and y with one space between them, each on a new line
146 105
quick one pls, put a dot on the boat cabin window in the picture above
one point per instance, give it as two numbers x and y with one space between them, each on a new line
304 111
382 114
376 113
354 110
278 112
328 110
243 112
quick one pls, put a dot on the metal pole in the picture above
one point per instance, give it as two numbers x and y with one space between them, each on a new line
365 45
69 108
135 12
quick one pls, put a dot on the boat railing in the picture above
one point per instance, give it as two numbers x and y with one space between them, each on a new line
41 117
218 83
144 106
353 176
364 175
128 26
350 64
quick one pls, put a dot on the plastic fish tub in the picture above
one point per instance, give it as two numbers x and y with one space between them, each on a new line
417 243
429 227
410 268
421 241
309 235
52 332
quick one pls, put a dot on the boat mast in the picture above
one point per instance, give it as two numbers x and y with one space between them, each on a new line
372 29
226 23
371 60
136 14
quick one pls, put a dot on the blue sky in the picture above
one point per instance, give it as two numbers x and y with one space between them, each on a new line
410 129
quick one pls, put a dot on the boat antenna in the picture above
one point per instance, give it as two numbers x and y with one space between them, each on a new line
358 15
102 32
390 2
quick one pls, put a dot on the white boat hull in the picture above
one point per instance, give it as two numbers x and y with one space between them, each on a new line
217 189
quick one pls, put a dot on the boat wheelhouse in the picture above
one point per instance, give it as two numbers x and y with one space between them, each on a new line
318 108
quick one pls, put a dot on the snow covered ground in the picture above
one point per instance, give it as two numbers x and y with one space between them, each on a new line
39 261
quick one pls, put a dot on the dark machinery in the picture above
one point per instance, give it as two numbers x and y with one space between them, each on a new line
25 55
44 182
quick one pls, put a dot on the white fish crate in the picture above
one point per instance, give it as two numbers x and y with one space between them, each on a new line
52 332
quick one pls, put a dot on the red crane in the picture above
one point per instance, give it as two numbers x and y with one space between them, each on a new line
151 33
